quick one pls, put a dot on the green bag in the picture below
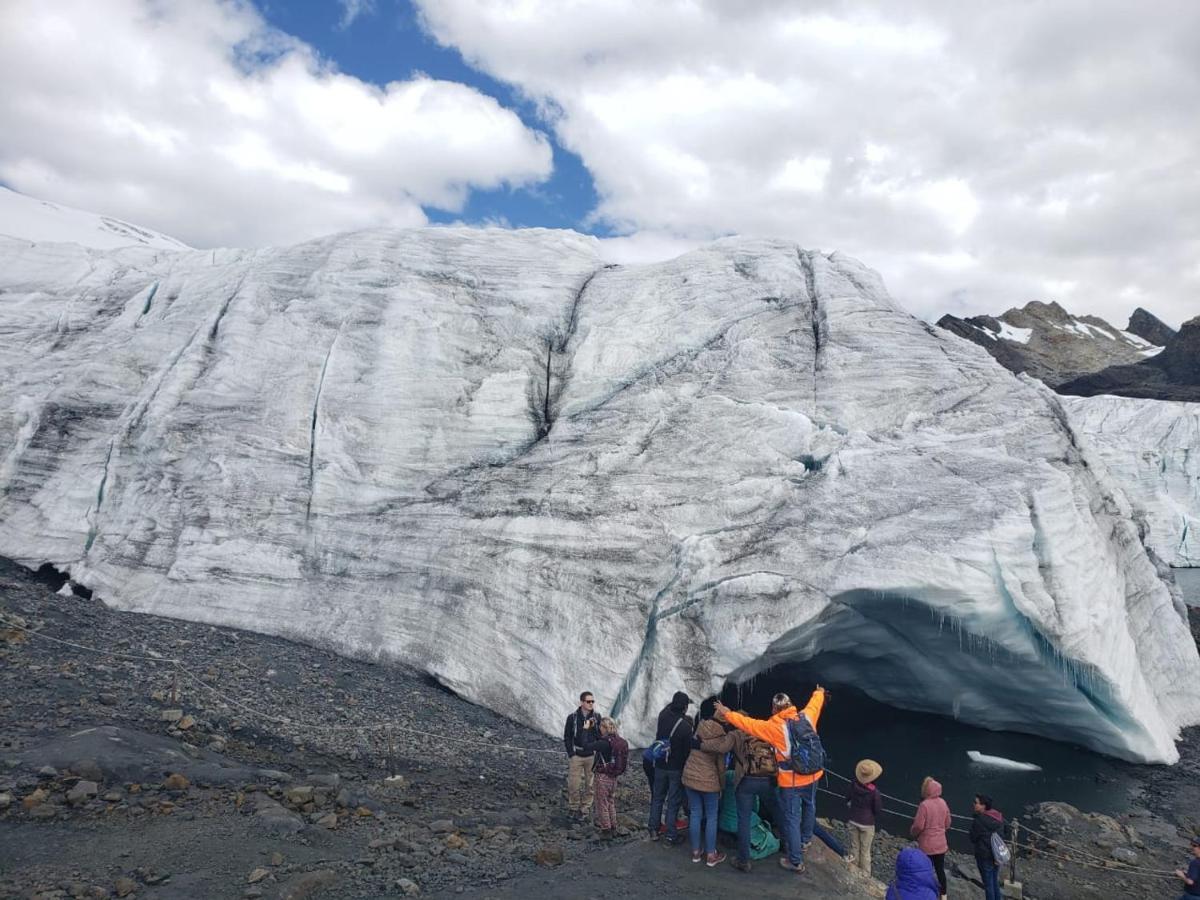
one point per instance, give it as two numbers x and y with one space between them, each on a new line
763 842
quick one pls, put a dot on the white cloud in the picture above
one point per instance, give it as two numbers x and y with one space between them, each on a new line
195 118
353 9
951 133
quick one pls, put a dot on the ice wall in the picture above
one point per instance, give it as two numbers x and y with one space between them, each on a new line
1152 447
493 457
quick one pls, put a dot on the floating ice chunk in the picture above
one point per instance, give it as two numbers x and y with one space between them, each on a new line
999 762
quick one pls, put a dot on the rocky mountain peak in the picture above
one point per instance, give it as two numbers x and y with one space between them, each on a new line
1150 327
1049 312
1046 341
1181 358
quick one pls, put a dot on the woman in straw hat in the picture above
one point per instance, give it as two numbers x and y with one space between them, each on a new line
865 804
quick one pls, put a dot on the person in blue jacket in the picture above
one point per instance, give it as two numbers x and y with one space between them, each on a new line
915 878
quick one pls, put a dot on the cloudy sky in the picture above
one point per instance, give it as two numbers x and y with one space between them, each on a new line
978 155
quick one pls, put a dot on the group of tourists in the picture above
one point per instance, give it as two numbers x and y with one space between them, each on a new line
772 767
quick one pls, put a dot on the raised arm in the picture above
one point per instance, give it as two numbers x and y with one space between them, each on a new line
759 728
812 710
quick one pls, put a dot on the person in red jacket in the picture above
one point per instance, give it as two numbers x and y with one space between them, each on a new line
797 792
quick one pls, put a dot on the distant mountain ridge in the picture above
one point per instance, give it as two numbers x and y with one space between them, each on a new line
1047 342
1173 374
40 221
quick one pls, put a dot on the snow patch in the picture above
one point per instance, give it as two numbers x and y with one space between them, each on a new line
26 218
1014 334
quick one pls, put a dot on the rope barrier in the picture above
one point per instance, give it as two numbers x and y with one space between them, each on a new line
899 800
1113 866
1107 865
1090 860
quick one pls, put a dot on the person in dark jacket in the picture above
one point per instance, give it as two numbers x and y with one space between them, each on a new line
915 879
582 726
987 821
1191 878
611 754
674 726
866 805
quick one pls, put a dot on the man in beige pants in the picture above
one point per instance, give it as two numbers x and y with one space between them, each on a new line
583 726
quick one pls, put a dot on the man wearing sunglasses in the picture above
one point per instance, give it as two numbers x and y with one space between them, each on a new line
583 724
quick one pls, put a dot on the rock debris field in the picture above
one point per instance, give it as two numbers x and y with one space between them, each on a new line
256 767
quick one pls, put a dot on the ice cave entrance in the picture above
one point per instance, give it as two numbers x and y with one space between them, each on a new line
910 745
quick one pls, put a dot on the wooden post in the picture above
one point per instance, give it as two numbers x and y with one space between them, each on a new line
1012 863
1011 889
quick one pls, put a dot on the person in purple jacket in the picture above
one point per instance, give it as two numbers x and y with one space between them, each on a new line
866 803
914 877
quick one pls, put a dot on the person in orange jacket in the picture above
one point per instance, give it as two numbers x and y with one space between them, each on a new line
797 792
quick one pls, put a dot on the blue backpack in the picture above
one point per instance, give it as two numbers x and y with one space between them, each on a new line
660 750
806 754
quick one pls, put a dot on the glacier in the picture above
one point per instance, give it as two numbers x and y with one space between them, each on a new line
1152 448
491 456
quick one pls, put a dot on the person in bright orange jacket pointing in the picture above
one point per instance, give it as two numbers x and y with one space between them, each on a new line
797 792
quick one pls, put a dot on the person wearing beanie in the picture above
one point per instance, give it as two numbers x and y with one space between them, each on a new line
929 827
866 804
675 727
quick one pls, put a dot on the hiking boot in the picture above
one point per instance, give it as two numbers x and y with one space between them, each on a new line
740 865
697 856
714 859
672 840
785 864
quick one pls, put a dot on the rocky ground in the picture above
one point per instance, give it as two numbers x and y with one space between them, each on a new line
261 768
